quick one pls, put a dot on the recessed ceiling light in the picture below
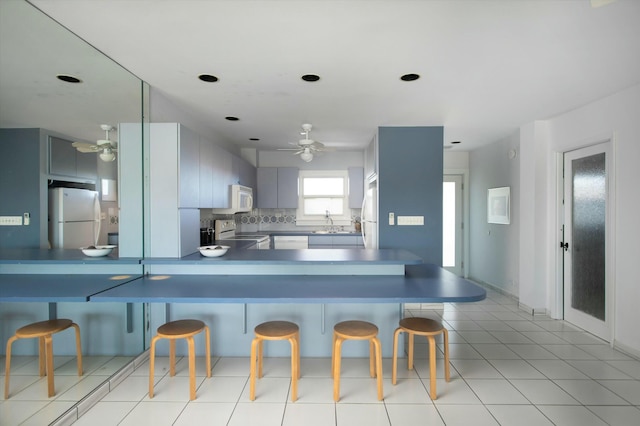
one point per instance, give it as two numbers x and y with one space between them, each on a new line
68 78
232 118
310 77
208 78
254 139
455 142
410 77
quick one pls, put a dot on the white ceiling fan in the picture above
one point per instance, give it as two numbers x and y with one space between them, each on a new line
306 147
105 147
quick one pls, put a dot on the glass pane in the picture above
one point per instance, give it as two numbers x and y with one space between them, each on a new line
449 224
588 252
323 186
319 206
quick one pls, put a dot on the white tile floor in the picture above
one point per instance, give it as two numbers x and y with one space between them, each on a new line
508 368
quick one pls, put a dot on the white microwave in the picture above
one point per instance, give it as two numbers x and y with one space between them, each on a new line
241 198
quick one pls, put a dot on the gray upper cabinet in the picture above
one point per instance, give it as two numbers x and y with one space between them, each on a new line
189 168
277 187
244 173
65 160
356 187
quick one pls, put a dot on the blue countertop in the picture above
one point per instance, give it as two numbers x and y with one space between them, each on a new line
421 284
57 287
60 256
297 257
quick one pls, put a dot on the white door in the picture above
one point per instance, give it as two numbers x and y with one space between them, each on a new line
587 292
452 223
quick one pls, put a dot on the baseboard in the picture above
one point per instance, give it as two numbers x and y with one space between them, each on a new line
634 353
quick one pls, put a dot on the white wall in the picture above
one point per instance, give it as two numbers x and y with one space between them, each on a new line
334 160
616 116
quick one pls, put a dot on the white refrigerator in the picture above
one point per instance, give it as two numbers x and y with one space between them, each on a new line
370 216
74 218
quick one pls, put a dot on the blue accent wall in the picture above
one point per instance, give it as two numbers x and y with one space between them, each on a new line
20 186
410 184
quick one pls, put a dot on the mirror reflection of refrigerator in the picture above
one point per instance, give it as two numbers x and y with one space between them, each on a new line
74 218
370 216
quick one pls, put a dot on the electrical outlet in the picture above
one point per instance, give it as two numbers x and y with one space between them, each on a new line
411 220
10 220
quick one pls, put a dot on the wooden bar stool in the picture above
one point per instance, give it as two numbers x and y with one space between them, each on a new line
356 330
428 328
181 329
43 330
275 330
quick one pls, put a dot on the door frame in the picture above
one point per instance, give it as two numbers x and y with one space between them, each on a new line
465 216
558 294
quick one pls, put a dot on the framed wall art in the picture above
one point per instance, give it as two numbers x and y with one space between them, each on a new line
499 205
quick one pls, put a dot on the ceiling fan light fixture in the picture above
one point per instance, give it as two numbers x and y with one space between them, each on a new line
107 155
306 156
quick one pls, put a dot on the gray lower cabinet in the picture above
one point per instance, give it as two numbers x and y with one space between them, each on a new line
335 241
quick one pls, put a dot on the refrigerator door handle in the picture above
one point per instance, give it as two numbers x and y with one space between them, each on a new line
97 217
364 221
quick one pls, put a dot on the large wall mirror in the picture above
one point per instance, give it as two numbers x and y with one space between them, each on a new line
39 60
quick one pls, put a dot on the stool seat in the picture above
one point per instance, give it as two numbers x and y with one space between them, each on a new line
43 331
356 330
181 329
275 330
422 327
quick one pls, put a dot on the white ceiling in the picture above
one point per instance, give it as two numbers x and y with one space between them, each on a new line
486 66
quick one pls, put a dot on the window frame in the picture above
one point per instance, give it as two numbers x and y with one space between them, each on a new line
338 220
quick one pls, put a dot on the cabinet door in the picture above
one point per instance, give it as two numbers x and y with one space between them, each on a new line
267 188
222 178
288 187
320 241
87 165
356 187
244 173
62 157
189 168
206 174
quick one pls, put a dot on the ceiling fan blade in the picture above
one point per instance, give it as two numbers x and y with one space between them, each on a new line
85 147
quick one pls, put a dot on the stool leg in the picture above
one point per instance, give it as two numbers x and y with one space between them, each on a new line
260 354
78 348
252 370
298 352
294 368
336 369
372 366
172 357
376 344
41 357
208 349
48 341
410 354
192 368
432 366
446 355
394 365
8 366
333 354
152 360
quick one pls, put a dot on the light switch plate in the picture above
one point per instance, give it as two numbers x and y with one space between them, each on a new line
392 219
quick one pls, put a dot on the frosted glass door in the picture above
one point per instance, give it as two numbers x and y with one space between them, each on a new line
585 242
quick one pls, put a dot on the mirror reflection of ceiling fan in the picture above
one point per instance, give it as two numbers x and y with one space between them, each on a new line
105 147
306 147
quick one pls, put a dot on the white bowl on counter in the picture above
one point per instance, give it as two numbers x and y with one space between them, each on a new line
97 251
213 251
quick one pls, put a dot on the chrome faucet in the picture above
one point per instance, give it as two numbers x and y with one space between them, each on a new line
327 216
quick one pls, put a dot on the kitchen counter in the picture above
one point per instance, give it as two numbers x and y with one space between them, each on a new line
288 262
55 261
